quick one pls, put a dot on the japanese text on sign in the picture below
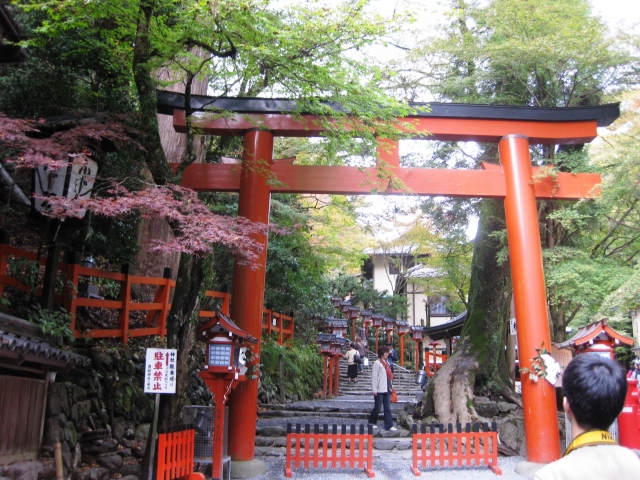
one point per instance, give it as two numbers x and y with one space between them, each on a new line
160 370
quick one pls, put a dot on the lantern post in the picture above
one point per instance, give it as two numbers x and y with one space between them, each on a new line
366 321
403 329
416 335
389 325
354 314
325 340
377 323
224 370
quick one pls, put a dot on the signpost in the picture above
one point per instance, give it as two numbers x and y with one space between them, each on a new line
159 377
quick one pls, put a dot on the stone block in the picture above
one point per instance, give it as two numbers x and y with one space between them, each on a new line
113 463
485 407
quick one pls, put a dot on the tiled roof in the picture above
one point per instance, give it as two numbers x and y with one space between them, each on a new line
35 350
589 332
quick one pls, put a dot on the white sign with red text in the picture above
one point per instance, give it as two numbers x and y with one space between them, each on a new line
160 370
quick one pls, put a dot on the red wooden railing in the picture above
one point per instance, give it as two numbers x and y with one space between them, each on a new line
329 450
449 449
175 456
282 325
157 310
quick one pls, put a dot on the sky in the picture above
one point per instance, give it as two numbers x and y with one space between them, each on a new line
619 15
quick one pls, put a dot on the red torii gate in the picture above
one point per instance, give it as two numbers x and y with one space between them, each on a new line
512 128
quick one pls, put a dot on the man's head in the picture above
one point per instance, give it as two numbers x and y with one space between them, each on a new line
594 389
389 345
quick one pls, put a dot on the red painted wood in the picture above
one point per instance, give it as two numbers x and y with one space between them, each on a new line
312 179
175 456
439 450
327 450
431 128
530 297
248 285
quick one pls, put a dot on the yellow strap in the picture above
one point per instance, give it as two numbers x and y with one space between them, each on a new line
593 437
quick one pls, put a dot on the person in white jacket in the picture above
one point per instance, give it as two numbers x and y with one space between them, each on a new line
381 377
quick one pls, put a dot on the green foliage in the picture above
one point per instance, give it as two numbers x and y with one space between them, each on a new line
302 368
53 323
25 270
359 289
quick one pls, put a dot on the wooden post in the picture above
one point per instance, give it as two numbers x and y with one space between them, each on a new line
125 298
248 284
281 379
50 275
5 238
71 286
324 377
401 349
527 274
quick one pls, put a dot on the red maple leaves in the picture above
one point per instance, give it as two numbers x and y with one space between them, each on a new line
196 228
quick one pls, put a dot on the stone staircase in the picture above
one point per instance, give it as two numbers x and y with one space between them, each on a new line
350 407
403 380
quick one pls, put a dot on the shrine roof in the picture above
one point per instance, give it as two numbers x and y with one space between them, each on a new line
604 115
591 332
452 328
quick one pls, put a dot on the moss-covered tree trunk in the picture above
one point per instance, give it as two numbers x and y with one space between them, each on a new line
479 363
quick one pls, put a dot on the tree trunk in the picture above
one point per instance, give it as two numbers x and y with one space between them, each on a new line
479 363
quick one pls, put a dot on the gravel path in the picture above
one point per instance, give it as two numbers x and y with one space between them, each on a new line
396 467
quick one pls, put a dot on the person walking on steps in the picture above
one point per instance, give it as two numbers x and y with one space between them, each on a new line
361 352
392 356
381 377
352 366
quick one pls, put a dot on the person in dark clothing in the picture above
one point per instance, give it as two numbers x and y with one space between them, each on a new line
392 355
361 352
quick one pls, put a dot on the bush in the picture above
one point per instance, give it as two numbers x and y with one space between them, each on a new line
302 371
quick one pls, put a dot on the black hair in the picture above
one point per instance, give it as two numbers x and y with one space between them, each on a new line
382 350
595 388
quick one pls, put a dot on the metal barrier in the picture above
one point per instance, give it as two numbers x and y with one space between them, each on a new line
175 456
448 449
329 450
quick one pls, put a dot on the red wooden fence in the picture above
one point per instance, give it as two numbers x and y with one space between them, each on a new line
448 449
329 450
175 456
157 310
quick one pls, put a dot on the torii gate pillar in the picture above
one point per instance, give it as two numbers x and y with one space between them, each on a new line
523 232
248 293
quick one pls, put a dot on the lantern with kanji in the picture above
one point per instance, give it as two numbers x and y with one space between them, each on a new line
225 368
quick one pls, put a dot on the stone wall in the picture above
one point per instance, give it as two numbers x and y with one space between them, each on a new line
101 416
